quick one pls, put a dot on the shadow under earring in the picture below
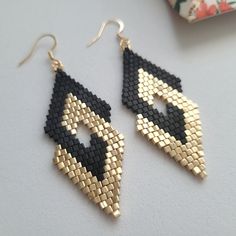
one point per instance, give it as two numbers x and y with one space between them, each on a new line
95 169
178 132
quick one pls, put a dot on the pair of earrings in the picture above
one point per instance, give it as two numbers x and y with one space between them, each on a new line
97 169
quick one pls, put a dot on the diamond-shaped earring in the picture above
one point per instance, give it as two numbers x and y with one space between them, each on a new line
178 132
95 169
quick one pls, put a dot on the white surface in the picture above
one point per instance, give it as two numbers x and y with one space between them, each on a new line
157 196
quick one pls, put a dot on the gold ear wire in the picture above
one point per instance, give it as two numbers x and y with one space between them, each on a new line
124 42
56 64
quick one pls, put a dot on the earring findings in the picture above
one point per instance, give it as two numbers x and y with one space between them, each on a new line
124 42
96 169
56 64
179 132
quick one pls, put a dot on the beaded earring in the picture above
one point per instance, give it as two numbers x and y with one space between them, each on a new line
95 169
178 132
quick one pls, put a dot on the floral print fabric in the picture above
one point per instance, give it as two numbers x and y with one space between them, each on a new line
194 10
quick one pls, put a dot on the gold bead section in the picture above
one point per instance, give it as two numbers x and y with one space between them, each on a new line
104 193
189 155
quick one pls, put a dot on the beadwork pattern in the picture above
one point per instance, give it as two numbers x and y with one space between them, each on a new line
95 169
178 132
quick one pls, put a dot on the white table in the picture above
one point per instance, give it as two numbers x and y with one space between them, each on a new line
157 196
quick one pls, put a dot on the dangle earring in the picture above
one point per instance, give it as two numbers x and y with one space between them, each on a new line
95 169
178 132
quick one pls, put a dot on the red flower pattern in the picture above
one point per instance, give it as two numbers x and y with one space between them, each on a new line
194 10
204 10
224 6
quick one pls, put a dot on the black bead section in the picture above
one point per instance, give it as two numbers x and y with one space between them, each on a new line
93 157
173 122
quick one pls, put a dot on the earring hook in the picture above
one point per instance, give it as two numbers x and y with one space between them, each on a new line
124 42
55 62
